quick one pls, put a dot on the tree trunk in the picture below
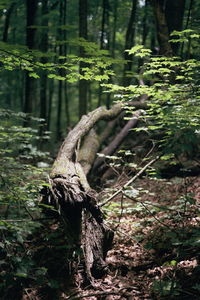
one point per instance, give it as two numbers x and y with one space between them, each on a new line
7 22
162 28
174 17
31 6
114 28
61 72
144 24
188 23
129 42
83 85
169 16
66 98
76 202
70 193
112 147
43 80
50 98
104 43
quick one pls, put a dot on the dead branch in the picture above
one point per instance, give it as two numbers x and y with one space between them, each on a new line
118 292
130 181
112 147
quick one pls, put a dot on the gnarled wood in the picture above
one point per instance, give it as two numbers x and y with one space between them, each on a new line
71 194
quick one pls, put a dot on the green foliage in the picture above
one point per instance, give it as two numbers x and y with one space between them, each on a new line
166 288
172 87
98 62
183 36
139 51
20 182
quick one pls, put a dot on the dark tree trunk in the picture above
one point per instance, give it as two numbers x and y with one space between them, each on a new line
188 23
43 80
66 98
83 85
105 36
162 28
50 98
104 41
7 22
114 28
31 6
62 85
174 16
129 43
59 111
169 16
144 23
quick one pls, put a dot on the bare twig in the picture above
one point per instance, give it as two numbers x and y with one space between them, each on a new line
149 211
130 181
104 293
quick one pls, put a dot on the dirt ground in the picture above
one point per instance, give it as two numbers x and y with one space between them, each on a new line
156 246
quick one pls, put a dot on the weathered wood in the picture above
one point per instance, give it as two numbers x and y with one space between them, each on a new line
67 152
92 142
117 141
76 202
71 194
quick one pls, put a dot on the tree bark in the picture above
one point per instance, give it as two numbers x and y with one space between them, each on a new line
7 22
169 17
114 28
83 85
162 28
144 24
112 147
61 52
129 42
43 80
76 202
31 6
174 16
104 44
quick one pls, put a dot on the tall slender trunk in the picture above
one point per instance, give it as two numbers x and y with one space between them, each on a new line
43 80
30 95
59 112
188 20
144 33
144 23
104 41
8 79
66 98
60 83
7 22
83 85
50 98
129 42
114 28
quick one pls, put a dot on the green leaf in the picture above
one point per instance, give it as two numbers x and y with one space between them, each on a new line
34 75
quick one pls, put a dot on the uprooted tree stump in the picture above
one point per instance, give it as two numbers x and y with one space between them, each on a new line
70 192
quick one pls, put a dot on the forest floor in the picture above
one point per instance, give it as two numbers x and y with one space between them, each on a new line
157 241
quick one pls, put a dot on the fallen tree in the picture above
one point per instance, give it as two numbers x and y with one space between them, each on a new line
69 191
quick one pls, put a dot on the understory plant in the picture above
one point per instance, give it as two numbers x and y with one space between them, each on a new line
20 182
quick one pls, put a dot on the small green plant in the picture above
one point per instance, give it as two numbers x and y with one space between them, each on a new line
20 182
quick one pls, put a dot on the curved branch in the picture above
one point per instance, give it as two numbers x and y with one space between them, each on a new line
112 147
69 145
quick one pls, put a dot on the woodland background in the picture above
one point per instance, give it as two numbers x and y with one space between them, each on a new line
60 60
